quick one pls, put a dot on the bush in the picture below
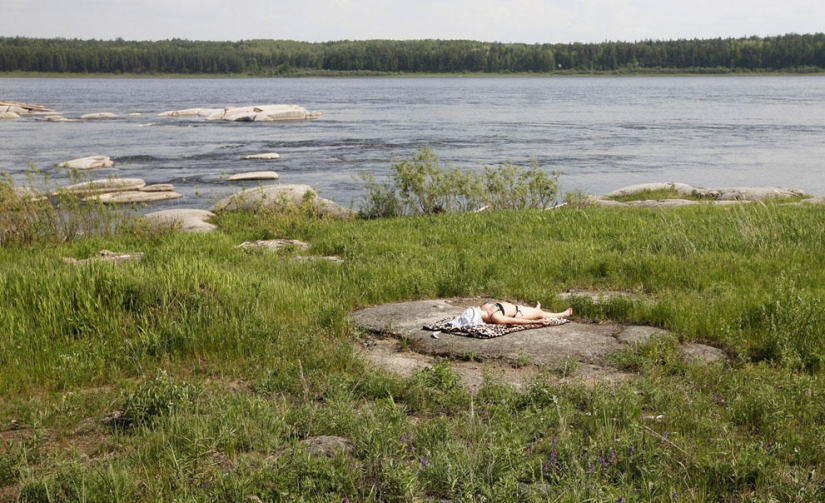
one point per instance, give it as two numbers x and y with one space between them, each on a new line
160 397
422 186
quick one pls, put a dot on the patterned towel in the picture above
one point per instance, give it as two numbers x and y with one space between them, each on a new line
488 331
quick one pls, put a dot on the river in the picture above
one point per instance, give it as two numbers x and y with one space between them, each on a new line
599 133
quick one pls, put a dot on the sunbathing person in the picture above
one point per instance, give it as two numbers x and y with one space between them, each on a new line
505 313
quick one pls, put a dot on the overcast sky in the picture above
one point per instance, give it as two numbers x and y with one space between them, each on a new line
528 21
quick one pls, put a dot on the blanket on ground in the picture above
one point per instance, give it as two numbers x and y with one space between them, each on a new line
488 331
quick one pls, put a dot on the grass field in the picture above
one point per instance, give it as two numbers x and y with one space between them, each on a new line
198 372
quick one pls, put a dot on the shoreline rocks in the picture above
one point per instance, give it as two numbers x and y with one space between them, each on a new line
189 220
287 197
724 195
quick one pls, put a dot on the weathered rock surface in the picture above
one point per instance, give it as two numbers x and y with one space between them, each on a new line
188 220
106 256
104 185
99 115
550 347
260 113
274 244
9 115
262 157
254 175
91 162
716 194
281 198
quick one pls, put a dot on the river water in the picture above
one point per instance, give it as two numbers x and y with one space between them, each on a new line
599 133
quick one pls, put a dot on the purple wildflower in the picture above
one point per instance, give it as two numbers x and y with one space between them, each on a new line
424 462
620 500
602 462
553 459
589 467
530 448
630 451
674 496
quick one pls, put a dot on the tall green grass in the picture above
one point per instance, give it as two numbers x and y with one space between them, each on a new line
221 360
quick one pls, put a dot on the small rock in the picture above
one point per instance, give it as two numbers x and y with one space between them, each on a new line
9 115
701 353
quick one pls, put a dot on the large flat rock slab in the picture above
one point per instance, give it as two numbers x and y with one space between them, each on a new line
546 346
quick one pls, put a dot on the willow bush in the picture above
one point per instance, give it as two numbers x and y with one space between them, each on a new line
423 185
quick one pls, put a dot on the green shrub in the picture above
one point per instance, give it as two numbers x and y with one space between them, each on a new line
154 399
420 185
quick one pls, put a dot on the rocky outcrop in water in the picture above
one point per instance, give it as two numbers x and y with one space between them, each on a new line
254 175
260 113
262 157
91 162
696 195
99 115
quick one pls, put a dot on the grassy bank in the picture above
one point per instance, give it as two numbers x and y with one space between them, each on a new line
195 373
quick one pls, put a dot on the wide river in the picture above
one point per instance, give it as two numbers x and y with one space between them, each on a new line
599 133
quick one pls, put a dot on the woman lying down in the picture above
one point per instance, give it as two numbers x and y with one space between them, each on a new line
505 313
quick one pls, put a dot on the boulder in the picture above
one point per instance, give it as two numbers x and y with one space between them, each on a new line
263 157
9 115
135 114
133 196
57 118
281 198
189 220
103 186
91 162
99 115
254 175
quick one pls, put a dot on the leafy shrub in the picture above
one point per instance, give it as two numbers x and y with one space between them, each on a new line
152 400
420 185
793 325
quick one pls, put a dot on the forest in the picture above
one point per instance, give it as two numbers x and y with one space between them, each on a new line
794 53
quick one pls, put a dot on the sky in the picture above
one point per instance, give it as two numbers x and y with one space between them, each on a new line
524 21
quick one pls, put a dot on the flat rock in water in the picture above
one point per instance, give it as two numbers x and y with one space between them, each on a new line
265 113
134 196
681 188
263 157
254 175
99 115
191 112
91 162
189 220
717 194
104 185
158 187
9 115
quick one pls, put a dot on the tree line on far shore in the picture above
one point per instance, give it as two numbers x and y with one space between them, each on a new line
786 53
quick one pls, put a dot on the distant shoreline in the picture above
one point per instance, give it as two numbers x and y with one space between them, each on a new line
370 74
